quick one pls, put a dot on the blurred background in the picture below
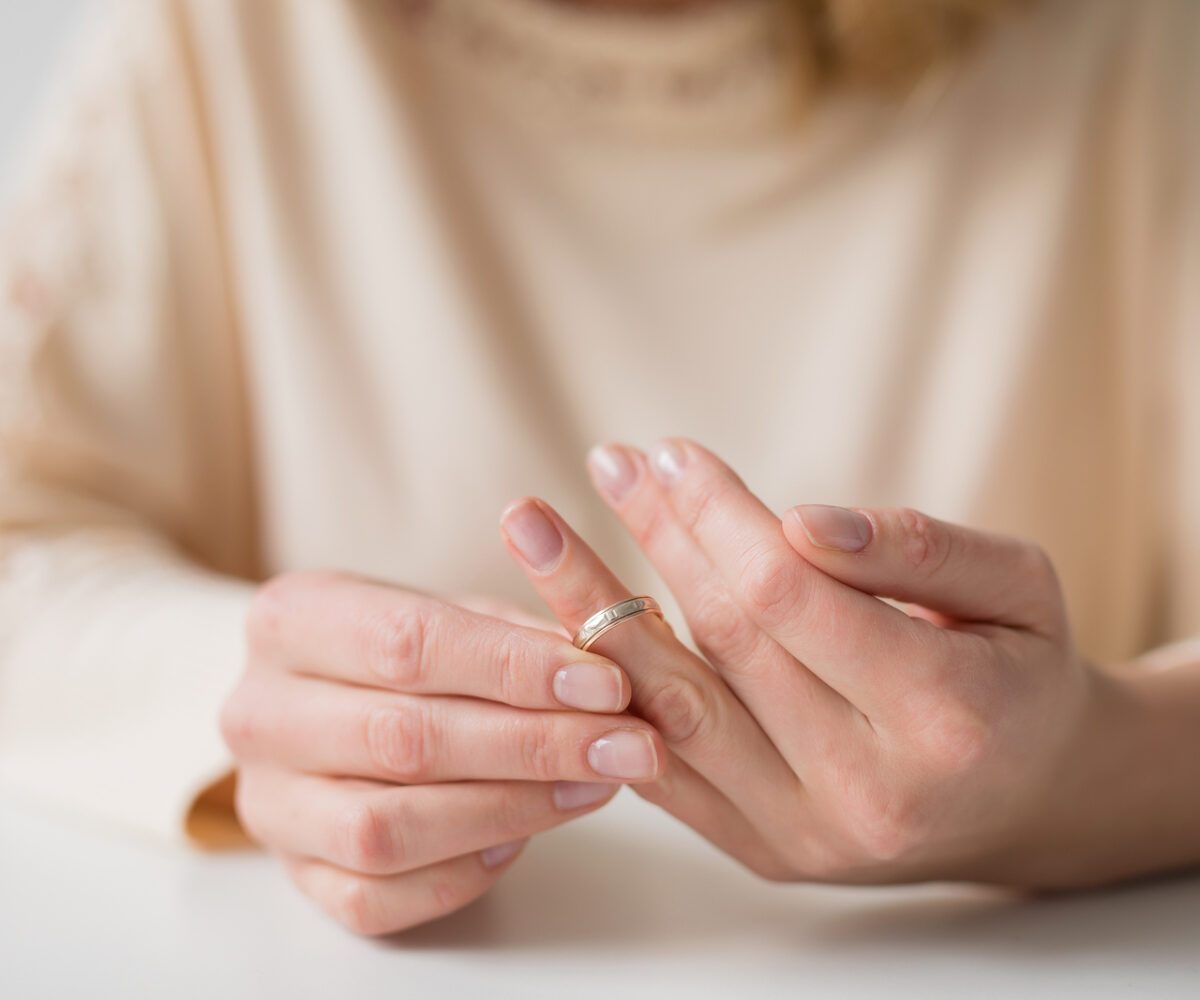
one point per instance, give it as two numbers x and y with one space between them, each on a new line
33 35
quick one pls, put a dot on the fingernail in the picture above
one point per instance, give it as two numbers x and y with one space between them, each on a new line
535 536
613 470
570 795
834 527
624 753
591 687
667 461
494 857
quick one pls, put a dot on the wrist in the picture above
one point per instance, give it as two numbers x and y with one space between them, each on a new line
1123 800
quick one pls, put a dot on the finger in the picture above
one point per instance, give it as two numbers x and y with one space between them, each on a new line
685 794
381 829
674 690
798 711
868 651
971 576
345 628
373 905
511 613
335 729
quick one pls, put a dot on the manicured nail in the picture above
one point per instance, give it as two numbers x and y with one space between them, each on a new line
667 460
494 857
535 536
834 527
570 795
613 470
624 753
591 687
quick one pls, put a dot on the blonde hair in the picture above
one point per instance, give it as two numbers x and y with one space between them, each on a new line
888 44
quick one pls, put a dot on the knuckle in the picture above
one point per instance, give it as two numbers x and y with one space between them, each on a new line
880 822
450 894
801 848
721 630
366 839
274 601
513 814
924 541
267 611
957 742
536 746
510 664
888 824
399 741
768 582
697 504
356 906
238 724
678 708
398 645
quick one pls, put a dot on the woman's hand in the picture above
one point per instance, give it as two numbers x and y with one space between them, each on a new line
396 751
845 740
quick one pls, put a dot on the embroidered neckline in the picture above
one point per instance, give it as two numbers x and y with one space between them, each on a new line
712 69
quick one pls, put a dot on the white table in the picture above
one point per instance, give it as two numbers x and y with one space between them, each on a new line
622 904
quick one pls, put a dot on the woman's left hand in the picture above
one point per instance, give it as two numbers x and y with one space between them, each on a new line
841 738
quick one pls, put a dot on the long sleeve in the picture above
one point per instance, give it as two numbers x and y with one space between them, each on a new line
125 507
1155 170
1183 358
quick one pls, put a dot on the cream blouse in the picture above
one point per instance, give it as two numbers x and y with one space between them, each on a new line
328 283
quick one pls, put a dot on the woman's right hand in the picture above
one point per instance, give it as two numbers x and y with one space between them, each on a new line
396 751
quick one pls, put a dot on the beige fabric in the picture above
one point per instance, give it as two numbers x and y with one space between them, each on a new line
317 284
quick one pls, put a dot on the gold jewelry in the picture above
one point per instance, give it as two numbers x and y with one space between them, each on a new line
612 616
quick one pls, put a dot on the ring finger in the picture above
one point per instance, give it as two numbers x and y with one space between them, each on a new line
698 716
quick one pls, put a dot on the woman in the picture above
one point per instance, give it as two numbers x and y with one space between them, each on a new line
324 285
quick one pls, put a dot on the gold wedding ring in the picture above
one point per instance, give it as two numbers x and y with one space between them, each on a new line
612 616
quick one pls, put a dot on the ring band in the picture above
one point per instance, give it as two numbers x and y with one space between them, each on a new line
612 616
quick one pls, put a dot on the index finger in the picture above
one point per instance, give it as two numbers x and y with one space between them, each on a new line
346 628
849 639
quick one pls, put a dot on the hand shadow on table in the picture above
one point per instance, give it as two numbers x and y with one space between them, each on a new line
581 888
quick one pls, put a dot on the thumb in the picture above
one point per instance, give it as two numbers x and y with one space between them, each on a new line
968 575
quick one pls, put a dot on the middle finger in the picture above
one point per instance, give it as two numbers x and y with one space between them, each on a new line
866 650
312 725
798 710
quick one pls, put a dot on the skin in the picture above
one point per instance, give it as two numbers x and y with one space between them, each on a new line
396 750
965 739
